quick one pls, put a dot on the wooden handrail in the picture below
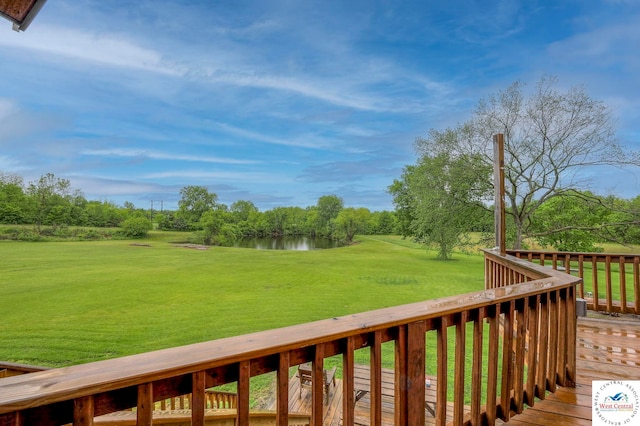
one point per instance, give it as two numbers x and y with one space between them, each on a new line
8 369
538 314
611 291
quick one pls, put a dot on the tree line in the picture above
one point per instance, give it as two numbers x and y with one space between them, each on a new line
219 224
52 206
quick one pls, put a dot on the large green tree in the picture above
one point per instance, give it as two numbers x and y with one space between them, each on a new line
442 194
246 217
550 136
13 201
52 201
351 221
194 202
328 208
569 222
580 220
216 229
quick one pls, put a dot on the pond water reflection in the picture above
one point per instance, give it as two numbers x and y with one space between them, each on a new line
288 243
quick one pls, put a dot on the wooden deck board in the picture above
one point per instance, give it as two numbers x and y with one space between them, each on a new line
607 349
301 402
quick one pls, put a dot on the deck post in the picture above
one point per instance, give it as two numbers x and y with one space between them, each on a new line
498 184
282 410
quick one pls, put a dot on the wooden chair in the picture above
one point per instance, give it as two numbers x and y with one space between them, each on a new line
305 375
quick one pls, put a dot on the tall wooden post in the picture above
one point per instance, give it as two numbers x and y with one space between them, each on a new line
498 184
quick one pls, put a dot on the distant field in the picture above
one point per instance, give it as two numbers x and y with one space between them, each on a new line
65 303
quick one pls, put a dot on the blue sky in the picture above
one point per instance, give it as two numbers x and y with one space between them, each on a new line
280 102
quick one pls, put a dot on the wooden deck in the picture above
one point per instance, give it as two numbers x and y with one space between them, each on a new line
301 403
607 349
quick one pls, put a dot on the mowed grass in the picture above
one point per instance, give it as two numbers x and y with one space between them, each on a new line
64 303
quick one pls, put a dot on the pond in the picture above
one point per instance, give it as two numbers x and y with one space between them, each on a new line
288 243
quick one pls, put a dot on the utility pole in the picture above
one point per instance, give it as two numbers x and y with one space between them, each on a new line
498 185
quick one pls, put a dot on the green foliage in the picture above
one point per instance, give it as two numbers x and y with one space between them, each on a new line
103 214
13 202
92 234
552 219
62 208
195 201
215 230
172 222
624 220
382 223
136 227
582 221
11 213
55 233
50 200
351 221
20 234
403 201
442 194
227 235
328 208
243 211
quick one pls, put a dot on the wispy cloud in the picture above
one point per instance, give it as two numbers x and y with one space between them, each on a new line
158 155
254 177
295 141
110 187
603 47
118 51
6 108
8 163
105 49
323 92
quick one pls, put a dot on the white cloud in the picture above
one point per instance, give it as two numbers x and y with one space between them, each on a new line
227 176
157 155
7 108
323 92
306 142
16 122
8 163
107 49
606 46
107 187
347 87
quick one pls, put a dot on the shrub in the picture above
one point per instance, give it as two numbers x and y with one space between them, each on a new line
28 235
90 234
136 227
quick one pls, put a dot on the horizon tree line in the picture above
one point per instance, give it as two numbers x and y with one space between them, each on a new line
51 205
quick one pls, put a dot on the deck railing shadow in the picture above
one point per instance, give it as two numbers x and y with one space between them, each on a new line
521 344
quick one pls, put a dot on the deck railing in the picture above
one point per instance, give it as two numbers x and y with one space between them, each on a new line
611 282
519 339
8 369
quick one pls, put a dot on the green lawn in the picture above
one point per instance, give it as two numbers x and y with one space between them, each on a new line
65 303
